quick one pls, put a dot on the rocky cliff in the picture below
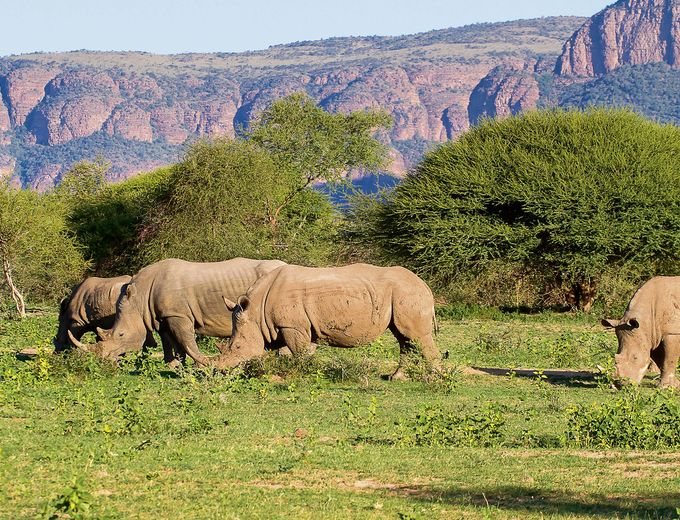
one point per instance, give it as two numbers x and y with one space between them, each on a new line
138 110
629 32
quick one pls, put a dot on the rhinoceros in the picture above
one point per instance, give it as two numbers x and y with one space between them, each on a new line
342 307
91 304
178 299
650 331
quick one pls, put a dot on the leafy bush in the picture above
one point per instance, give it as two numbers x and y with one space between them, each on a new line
74 502
39 257
433 427
633 420
218 204
108 221
565 195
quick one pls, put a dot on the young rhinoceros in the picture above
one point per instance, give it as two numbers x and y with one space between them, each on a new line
91 304
342 307
650 331
178 299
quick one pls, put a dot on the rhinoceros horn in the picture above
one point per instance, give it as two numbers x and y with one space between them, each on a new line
77 343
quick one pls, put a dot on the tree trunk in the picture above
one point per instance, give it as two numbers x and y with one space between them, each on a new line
582 295
16 295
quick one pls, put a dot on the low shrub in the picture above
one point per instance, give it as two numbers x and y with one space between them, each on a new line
482 427
633 420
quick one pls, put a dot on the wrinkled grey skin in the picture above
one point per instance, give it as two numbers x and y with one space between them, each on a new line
91 304
179 299
650 331
341 307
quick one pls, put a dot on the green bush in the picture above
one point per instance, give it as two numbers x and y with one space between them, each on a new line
108 221
217 207
565 196
39 257
433 427
633 420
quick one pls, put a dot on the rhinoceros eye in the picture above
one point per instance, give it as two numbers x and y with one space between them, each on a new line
121 333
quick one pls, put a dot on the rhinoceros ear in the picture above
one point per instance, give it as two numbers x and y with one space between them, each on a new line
244 302
103 333
633 323
131 290
230 305
610 324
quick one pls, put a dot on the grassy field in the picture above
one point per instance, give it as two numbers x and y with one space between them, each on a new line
328 438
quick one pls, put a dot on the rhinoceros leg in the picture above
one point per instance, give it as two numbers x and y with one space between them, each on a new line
669 363
150 341
181 330
172 353
284 352
413 341
299 343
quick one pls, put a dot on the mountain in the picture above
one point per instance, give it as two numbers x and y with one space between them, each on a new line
139 110
629 32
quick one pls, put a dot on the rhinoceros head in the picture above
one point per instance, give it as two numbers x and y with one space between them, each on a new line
632 359
246 335
128 332
61 340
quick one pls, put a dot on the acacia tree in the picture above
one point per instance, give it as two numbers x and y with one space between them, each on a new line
309 145
252 196
37 252
568 194
83 181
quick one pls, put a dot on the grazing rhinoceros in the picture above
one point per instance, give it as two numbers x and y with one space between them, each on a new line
92 304
649 331
342 307
178 298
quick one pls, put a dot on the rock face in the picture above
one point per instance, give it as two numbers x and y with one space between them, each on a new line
23 88
505 91
138 110
629 32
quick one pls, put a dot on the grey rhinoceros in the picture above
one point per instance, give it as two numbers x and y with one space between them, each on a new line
91 304
342 307
178 299
650 331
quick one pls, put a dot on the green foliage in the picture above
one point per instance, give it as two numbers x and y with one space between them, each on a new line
73 503
218 206
633 420
36 245
109 221
567 195
84 180
648 89
309 144
433 427
253 197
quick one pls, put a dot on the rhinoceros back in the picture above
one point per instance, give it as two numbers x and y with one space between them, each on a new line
196 290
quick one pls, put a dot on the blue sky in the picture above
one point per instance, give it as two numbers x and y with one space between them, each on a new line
172 26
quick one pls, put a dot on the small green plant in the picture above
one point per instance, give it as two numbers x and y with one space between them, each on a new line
41 365
434 427
633 420
361 418
73 503
127 416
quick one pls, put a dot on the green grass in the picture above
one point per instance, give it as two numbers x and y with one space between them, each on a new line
324 439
